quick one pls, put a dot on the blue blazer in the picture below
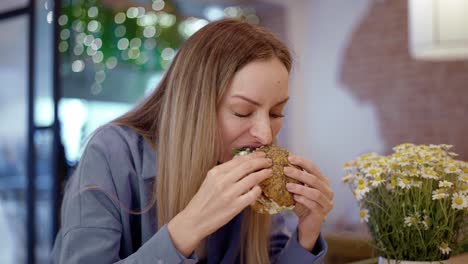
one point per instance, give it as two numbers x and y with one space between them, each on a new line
115 175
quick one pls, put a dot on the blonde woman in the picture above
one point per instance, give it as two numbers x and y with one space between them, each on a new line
160 185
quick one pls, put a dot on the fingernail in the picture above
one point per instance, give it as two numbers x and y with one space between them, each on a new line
270 162
289 186
291 158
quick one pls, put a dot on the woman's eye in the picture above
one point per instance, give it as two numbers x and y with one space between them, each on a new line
276 115
241 115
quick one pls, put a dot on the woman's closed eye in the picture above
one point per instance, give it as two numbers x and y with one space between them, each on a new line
244 115
276 115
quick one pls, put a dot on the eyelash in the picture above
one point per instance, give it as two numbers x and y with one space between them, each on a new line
272 115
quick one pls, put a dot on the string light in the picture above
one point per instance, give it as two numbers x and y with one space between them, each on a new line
141 37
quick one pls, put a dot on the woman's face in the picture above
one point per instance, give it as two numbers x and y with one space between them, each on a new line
251 112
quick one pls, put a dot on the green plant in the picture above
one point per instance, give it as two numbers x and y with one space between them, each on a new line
414 201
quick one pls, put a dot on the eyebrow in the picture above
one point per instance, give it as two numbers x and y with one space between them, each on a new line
257 103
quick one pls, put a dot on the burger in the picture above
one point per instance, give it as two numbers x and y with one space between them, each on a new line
275 197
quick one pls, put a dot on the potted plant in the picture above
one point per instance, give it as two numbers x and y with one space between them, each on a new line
414 201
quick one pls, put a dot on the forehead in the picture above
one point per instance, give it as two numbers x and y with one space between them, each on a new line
259 79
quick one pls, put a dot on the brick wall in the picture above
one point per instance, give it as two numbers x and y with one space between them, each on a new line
416 101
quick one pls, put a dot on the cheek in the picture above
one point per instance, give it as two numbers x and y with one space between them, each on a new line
276 126
230 128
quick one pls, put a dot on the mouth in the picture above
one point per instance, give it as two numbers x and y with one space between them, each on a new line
251 147
245 149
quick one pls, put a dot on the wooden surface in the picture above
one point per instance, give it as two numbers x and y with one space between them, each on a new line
355 248
461 259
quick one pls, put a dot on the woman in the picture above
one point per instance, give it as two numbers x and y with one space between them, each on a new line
159 185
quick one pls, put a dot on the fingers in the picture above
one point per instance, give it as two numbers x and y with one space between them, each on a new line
311 194
310 180
233 163
248 182
249 197
247 167
308 166
313 206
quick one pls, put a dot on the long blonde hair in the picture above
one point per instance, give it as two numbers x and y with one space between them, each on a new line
179 118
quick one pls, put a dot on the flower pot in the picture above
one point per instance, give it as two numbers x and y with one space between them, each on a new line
383 260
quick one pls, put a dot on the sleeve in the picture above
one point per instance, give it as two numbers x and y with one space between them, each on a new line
91 230
285 247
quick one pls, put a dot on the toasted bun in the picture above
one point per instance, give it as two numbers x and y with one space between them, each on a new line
275 197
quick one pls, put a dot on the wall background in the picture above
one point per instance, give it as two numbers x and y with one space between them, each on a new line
355 89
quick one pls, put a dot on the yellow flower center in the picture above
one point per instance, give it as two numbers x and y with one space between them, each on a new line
362 214
465 170
361 182
373 171
405 181
378 178
458 200
361 187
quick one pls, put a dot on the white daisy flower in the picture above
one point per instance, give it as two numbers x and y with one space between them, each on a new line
429 173
459 201
404 163
445 147
373 172
445 184
347 178
452 168
359 180
444 248
463 177
464 166
350 165
412 172
411 221
361 191
402 147
404 183
463 188
426 222
364 215
439 194
377 181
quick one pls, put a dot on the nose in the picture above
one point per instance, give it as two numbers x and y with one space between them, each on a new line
262 131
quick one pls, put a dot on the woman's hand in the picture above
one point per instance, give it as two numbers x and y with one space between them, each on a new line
227 189
314 200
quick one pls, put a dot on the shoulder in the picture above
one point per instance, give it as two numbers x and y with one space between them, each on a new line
115 142
122 149
112 136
